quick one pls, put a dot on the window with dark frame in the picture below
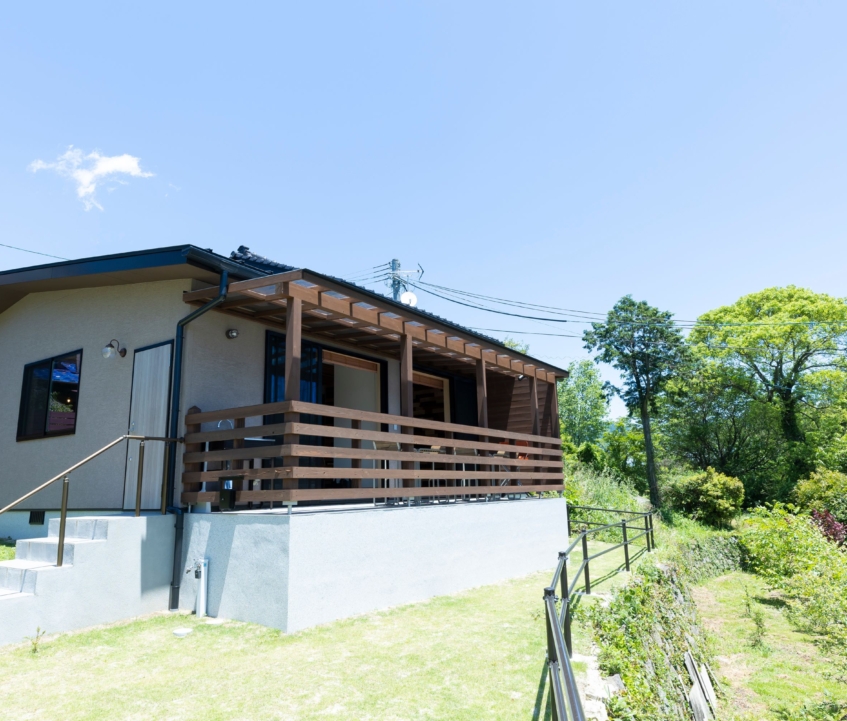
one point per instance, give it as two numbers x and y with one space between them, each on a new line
50 397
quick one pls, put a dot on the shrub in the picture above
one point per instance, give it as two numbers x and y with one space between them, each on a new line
586 487
831 529
791 553
824 490
592 456
708 496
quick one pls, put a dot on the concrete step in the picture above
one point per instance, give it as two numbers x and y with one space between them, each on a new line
18 576
90 529
46 550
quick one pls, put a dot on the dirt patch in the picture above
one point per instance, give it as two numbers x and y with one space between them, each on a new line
708 607
735 674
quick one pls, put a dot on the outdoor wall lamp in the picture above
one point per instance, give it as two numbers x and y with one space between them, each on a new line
232 334
113 349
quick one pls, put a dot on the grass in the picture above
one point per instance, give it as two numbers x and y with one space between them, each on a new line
474 655
785 669
7 549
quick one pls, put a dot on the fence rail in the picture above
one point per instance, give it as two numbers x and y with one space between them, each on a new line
567 705
65 475
272 450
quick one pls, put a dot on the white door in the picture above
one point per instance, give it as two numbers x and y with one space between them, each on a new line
148 416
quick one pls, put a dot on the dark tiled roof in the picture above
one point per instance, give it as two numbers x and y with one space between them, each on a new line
247 257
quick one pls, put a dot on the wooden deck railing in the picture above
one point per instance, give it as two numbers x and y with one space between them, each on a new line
358 455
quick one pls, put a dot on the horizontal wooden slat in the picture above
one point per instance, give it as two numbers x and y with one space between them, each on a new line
339 359
308 429
347 494
305 451
424 379
403 473
366 416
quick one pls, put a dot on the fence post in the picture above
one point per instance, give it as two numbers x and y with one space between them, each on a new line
551 644
568 522
566 605
60 555
647 531
625 545
140 479
585 561
652 531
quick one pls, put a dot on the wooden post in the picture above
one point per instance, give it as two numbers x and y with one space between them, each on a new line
554 421
189 448
406 384
533 409
407 397
293 352
482 407
481 394
533 404
240 485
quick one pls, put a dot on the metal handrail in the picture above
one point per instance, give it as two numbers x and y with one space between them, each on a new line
567 705
64 476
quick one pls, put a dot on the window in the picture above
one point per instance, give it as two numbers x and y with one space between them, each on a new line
50 397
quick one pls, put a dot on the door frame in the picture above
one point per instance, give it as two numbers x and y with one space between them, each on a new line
169 342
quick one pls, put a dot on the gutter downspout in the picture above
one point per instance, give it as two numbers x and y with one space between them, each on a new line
174 430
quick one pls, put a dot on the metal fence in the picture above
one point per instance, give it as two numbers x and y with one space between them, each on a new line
567 705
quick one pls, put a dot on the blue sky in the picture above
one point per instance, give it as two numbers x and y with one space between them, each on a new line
559 153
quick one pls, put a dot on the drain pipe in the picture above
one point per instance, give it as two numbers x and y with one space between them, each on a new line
174 433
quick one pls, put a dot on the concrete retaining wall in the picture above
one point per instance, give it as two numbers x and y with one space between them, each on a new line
296 571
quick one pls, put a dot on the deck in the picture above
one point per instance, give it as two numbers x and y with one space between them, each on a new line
293 451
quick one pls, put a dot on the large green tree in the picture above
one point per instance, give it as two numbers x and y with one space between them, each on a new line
645 346
781 339
709 421
583 405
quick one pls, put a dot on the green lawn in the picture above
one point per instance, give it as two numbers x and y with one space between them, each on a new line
788 671
475 655
7 549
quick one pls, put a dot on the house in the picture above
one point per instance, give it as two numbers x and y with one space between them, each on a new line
328 450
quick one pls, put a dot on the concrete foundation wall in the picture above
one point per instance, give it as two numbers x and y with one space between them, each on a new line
293 572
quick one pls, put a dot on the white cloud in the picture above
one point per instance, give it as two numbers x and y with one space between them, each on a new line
87 171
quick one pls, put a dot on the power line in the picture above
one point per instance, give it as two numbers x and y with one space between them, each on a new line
35 252
520 304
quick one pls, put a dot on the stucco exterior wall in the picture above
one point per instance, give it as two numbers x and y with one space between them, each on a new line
43 325
217 373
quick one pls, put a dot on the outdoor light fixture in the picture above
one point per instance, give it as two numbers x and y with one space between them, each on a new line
232 334
113 349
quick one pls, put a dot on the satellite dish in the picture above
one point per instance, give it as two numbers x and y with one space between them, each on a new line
409 298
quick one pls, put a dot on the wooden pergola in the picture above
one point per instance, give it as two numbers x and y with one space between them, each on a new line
301 302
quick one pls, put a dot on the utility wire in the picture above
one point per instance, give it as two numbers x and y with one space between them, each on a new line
681 324
35 252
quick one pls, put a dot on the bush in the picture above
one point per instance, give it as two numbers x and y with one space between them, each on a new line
592 456
791 553
585 486
831 529
824 491
708 496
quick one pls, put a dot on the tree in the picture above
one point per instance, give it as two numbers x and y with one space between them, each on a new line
517 345
623 443
644 345
780 338
583 404
709 421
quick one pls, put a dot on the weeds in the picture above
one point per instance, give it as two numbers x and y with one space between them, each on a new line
35 640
